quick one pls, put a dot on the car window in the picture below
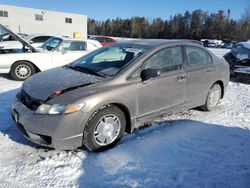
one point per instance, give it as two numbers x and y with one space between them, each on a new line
169 59
109 60
52 43
40 39
115 54
100 39
197 57
74 46
6 37
108 40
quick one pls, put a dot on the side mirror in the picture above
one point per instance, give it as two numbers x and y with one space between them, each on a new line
31 41
149 73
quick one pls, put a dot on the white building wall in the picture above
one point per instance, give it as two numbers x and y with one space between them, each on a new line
23 20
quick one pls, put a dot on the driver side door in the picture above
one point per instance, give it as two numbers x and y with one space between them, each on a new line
166 91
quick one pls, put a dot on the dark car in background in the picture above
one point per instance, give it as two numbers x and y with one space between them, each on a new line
93 101
239 58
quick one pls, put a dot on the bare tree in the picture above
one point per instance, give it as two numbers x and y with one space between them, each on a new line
246 24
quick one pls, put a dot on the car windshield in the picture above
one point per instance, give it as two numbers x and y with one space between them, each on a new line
6 37
108 61
52 43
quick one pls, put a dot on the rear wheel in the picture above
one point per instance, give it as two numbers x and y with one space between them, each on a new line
104 129
22 70
213 98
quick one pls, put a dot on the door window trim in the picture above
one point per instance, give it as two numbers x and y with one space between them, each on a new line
201 66
164 73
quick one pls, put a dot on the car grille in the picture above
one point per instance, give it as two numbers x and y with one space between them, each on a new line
28 101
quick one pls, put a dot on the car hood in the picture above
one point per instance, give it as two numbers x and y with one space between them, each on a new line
18 38
42 86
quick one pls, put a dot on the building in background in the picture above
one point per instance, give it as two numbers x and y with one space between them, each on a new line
33 21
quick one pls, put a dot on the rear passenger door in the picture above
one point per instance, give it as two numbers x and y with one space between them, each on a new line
200 68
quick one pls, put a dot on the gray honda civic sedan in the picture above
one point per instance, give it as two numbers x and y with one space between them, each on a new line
94 100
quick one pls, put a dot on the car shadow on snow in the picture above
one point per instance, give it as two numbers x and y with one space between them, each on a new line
7 125
7 76
181 153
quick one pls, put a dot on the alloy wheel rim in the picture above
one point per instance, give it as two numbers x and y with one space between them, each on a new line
23 71
107 130
214 97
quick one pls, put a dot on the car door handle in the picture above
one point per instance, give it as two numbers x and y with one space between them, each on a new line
181 77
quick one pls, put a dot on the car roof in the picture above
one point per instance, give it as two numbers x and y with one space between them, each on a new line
100 36
74 39
36 35
69 38
94 42
151 43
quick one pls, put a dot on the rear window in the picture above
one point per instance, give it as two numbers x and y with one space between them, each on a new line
109 40
40 39
197 56
100 39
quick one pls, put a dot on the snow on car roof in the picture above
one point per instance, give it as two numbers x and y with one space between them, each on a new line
245 44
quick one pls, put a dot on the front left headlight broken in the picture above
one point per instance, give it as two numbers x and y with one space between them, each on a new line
56 109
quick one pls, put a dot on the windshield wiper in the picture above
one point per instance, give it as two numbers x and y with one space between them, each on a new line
87 70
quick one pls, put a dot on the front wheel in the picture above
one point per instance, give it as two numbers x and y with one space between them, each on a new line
213 98
22 70
104 129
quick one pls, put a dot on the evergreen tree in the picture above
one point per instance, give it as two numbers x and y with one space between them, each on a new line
195 25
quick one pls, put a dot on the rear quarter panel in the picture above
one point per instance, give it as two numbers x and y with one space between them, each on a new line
222 71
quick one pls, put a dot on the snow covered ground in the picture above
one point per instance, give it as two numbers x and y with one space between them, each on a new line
191 149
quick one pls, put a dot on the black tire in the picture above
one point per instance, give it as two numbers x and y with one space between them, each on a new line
89 140
15 70
208 106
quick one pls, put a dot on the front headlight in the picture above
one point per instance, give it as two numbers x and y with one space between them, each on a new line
58 109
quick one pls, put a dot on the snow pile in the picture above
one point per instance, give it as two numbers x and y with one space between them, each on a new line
24 165
181 153
245 44
191 149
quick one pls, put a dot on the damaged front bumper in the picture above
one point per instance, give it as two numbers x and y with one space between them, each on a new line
242 70
237 66
62 132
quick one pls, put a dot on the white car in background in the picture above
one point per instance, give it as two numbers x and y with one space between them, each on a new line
55 52
35 40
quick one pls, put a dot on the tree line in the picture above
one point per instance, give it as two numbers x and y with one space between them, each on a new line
196 25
